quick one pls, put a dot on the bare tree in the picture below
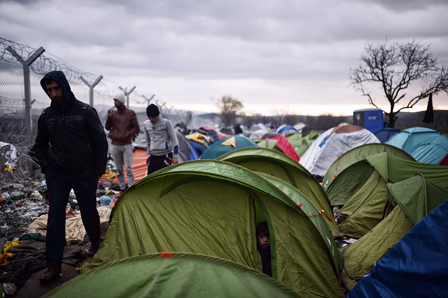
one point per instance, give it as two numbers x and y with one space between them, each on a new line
229 106
395 67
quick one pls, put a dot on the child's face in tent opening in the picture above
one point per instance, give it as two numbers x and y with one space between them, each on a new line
264 240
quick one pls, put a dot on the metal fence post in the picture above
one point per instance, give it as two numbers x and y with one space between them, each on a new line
91 87
126 93
148 100
26 78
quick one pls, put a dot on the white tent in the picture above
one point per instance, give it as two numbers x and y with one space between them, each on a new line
258 134
333 143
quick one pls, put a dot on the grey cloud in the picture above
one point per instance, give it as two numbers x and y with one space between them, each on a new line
291 22
21 2
288 23
405 5
291 41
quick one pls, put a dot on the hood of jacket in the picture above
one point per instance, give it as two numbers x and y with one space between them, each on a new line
59 77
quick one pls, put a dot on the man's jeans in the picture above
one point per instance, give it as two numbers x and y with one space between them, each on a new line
123 155
58 191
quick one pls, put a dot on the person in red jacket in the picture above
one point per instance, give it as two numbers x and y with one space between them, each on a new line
122 125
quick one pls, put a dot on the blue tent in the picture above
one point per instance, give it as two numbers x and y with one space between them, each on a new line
226 145
424 144
286 129
386 133
417 266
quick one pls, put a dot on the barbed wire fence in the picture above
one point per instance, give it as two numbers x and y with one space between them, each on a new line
17 126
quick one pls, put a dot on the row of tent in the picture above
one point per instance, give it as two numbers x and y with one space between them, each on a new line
201 145
208 143
318 150
384 195
315 151
385 192
209 208
423 144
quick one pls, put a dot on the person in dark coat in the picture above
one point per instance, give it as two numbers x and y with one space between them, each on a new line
264 246
71 149
238 129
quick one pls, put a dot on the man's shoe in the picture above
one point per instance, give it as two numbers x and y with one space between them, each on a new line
51 273
94 246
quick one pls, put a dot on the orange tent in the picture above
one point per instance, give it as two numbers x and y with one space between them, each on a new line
139 166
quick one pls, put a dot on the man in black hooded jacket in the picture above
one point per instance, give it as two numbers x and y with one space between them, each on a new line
71 148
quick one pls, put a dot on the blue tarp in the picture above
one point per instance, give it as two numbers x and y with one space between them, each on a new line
417 266
193 152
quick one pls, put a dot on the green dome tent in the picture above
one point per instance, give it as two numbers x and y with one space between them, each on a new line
413 199
281 166
314 213
360 256
359 153
227 144
362 188
301 142
212 207
172 275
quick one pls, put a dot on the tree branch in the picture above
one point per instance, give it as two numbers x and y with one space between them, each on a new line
395 67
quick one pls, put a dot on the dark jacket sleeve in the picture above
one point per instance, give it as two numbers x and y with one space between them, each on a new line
39 152
135 126
99 141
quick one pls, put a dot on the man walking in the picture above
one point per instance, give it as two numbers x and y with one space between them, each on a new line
161 140
123 125
71 148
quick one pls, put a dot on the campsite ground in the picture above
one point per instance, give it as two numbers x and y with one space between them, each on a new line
24 201
34 288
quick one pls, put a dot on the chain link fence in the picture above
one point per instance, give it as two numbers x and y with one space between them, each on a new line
14 121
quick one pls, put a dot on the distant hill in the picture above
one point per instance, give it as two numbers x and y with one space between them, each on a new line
407 120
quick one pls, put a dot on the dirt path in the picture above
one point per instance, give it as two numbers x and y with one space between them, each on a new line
34 288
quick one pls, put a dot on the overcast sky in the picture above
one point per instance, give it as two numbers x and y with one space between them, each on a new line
274 56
